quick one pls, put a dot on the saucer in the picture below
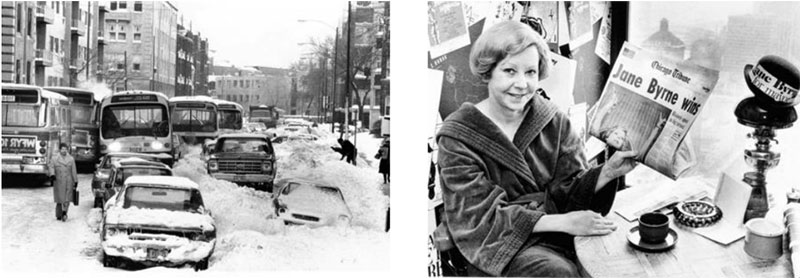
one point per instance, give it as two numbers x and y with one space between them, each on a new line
635 240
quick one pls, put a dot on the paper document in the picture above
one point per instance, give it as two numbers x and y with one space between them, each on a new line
731 197
638 200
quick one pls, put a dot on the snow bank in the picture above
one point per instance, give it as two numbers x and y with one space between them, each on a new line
248 232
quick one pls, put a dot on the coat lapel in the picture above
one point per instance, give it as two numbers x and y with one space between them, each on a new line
477 131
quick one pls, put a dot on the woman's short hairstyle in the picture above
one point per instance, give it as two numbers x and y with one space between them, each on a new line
504 39
63 145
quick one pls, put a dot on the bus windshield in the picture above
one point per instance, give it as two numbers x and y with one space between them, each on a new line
82 114
134 120
194 120
230 119
21 115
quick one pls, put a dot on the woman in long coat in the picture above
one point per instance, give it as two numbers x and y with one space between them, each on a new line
383 155
515 183
64 177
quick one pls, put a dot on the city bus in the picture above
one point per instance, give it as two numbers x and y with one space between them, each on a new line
229 116
35 122
194 118
136 121
266 114
85 129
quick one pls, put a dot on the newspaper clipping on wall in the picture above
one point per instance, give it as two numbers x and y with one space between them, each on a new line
648 105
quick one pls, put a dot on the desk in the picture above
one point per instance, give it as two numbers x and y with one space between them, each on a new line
692 256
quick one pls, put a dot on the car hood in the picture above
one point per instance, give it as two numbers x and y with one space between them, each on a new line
241 156
159 217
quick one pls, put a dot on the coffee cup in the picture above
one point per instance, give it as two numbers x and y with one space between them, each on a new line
653 227
764 239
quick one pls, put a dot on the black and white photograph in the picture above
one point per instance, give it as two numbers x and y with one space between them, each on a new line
181 136
690 166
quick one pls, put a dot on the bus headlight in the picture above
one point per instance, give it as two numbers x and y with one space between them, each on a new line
115 147
157 145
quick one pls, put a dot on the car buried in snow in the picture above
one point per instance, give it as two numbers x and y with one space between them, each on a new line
132 166
103 169
314 204
157 220
243 159
296 137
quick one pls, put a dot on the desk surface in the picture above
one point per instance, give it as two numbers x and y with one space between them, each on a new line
692 256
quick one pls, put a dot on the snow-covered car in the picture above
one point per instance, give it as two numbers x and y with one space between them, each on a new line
104 168
158 220
294 137
132 166
243 159
310 203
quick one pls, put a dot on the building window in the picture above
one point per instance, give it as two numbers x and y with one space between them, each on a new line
30 19
123 5
234 83
137 6
113 5
136 67
120 66
19 19
137 37
121 36
61 46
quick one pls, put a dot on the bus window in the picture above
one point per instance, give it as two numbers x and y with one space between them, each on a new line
55 119
81 114
19 115
146 120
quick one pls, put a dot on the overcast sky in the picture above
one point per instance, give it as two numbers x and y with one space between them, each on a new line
260 33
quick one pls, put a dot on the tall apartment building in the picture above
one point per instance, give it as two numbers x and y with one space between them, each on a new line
49 43
191 64
18 44
141 41
748 37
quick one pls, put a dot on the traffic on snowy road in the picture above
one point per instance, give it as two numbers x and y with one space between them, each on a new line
164 165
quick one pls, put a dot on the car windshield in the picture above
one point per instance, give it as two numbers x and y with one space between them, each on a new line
126 173
242 145
155 197
21 115
133 120
230 119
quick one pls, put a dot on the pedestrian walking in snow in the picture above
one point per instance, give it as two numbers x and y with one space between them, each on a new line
64 178
383 155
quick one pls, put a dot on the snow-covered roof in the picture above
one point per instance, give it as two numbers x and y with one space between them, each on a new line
45 93
153 155
163 180
242 135
135 161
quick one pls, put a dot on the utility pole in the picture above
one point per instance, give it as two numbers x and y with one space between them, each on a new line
125 79
348 92
335 79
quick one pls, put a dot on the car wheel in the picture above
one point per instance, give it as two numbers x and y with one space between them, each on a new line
201 265
98 202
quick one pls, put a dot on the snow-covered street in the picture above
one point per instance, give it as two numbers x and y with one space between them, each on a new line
248 236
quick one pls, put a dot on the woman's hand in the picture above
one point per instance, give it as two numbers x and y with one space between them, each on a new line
621 163
586 223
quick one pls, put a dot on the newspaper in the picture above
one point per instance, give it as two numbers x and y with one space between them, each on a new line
648 105
447 27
